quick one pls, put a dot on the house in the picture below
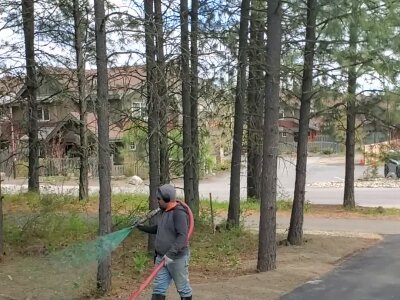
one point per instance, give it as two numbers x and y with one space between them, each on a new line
58 110
289 126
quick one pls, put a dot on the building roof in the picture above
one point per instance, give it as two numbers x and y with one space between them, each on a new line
121 80
292 123
115 132
43 133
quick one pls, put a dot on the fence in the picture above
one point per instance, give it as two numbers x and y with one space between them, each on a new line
68 167
6 163
316 146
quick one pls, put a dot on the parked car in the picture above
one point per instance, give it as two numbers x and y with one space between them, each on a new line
392 168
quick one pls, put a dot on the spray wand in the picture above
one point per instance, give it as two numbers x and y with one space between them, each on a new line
146 217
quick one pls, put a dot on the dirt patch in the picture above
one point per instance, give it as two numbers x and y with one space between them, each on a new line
295 266
338 212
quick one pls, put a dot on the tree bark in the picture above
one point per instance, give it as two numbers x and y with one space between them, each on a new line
295 236
104 266
186 106
1 223
79 35
162 93
234 193
194 97
348 198
31 89
267 230
153 111
255 101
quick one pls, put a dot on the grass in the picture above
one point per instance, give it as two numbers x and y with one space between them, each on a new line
223 251
38 225
54 222
285 205
375 211
252 205
58 220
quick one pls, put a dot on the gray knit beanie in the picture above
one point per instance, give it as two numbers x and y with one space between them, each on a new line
166 192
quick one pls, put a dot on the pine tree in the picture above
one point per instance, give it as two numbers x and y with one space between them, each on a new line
234 195
104 266
31 94
267 229
295 235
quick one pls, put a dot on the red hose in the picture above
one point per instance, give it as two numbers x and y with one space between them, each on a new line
157 268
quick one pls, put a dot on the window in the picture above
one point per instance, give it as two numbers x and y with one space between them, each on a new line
284 134
132 147
281 114
138 109
43 113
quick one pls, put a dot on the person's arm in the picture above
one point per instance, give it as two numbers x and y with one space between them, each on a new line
152 229
181 228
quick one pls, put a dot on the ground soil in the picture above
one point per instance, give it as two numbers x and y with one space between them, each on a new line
338 212
295 266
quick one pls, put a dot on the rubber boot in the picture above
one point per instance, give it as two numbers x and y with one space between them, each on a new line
157 297
186 298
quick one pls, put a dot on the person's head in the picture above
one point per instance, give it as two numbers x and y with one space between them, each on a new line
165 194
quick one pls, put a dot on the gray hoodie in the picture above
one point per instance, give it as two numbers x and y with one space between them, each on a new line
171 232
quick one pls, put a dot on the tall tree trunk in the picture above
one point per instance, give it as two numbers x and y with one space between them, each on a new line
348 199
162 94
295 236
79 35
153 110
194 97
1 223
31 89
255 103
186 106
234 193
104 266
267 232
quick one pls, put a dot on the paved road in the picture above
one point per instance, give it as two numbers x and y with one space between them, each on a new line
218 186
316 172
371 275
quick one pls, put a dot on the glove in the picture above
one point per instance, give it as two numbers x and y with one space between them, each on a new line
167 260
140 226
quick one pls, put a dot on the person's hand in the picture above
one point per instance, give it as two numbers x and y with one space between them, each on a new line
167 260
140 226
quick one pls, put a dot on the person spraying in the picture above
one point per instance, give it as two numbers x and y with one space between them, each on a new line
171 244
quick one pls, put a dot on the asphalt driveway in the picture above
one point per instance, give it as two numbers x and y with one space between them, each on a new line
374 274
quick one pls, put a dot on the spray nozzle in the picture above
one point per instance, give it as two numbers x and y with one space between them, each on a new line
146 217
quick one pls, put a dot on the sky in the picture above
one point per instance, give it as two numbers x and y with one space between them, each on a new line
213 61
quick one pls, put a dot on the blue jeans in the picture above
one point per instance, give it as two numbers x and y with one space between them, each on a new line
178 270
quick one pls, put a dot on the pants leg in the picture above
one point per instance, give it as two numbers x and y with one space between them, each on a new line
179 271
162 281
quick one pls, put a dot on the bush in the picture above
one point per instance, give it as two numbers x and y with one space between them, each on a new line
327 151
390 155
21 169
50 220
223 166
